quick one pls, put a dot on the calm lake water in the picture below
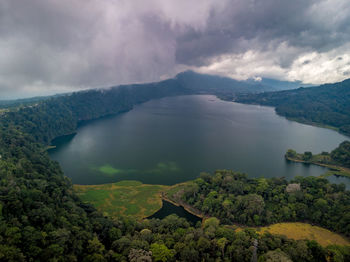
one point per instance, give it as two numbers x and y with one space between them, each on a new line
173 139
168 209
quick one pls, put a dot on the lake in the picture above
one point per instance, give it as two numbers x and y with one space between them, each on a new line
173 139
169 208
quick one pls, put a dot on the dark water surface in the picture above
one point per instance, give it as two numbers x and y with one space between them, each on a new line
168 209
173 139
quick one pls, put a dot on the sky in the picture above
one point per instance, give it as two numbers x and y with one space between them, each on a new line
55 46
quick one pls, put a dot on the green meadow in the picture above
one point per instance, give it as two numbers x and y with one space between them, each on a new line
130 198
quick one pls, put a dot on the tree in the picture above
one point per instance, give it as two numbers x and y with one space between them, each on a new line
275 256
203 244
211 222
307 156
254 204
321 204
140 255
342 154
222 244
160 252
10 253
291 153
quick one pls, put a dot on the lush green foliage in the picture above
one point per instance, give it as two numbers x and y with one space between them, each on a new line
339 157
41 219
61 115
341 154
327 105
234 198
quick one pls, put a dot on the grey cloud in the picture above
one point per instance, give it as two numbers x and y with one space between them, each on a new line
79 44
61 45
262 25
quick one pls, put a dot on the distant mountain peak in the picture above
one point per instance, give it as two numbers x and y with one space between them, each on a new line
259 84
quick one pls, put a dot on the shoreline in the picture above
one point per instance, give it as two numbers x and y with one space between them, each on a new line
294 119
344 172
187 207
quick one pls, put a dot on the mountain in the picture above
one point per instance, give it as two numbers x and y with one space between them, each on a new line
277 85
204 83
193 82
325 105
26 101
187 82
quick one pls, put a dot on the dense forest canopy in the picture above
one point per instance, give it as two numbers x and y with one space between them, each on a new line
326 105
341 154
234 198
41 218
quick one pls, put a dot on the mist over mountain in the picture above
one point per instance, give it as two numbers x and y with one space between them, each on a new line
276 84
194 82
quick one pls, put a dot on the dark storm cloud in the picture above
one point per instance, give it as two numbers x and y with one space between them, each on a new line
246 25
61 45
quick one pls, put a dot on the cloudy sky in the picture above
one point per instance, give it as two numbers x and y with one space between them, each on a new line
51 46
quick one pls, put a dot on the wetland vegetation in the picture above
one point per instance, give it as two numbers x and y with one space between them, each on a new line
125 198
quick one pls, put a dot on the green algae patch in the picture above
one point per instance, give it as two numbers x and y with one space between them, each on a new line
109 170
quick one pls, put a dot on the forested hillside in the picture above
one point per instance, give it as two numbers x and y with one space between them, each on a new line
194 83
41 219
327 105
60 115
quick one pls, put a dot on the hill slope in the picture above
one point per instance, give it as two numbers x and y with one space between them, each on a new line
60 115
327 105
193 82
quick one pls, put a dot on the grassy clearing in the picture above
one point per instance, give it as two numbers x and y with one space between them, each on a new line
130 198
298 230
174 190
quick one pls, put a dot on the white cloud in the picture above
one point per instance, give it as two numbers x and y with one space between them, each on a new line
309 67
253 63
319 68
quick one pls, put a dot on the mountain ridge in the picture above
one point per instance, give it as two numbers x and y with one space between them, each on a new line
196 82
325 105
